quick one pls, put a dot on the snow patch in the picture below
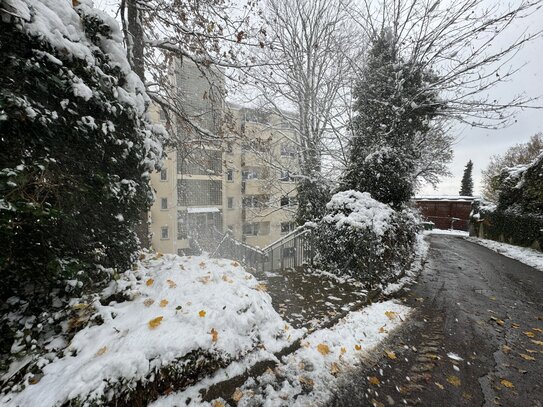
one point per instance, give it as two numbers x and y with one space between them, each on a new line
526 255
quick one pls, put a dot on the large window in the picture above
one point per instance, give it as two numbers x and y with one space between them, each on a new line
256 228
164 175
230 175
163 203
287 227
191 192
254 173
255 201
199 162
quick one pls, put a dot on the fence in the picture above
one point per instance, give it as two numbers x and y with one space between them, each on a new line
292 250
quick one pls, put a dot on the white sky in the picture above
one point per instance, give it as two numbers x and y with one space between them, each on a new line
479 144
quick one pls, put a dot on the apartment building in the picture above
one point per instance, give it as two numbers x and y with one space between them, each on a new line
243 182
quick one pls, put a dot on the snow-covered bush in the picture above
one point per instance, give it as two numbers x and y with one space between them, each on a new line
365 238
518 216
76 148
158 327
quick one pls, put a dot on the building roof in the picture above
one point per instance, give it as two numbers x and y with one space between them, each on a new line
455 198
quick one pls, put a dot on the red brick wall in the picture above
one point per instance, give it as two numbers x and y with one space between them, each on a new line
442 213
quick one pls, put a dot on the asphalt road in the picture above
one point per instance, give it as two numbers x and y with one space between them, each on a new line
474 339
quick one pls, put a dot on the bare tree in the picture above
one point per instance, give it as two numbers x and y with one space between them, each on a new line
304 76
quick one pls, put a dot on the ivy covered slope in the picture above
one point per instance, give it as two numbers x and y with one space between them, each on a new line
76 148
518 216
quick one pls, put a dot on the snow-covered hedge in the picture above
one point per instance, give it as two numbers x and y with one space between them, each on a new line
366 239
76 149
156 328
518 216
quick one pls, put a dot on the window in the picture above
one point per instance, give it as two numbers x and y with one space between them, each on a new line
256 228
289 201
182 232
254 173
230 175
250 229
164 232
199 162
163 203
164 175
286 176
287 227
191 192
230 203
255 201
288 150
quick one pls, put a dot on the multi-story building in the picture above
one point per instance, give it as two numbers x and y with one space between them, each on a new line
242 183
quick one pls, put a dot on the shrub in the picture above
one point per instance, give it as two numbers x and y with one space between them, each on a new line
366 239
75 150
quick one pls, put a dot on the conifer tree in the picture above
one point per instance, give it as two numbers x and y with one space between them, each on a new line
392 107
467 180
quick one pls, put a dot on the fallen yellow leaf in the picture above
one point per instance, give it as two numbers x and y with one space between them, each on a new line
506 349
218 403
323 349
150 282
334 368
507 383
343 350
374 380
202 313
214 335
454 380
148 302
101 351
227 279
357 347
526 357
237 395
540 343
204 279
155 322
202 264
306 380
163 303
529 334
513 325
382 330
538 330
439 385
391 315
390 354
171 283
261 287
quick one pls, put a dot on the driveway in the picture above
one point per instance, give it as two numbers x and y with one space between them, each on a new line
475 338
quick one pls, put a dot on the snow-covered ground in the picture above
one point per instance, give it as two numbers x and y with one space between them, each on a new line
450 232
525 255
176 305
308 376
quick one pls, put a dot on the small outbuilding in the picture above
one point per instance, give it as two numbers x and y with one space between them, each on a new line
445 211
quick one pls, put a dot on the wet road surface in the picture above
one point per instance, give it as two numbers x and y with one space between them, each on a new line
475 337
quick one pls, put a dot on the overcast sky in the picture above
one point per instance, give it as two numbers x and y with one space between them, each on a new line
478 144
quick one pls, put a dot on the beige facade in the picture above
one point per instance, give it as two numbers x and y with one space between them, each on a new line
243 184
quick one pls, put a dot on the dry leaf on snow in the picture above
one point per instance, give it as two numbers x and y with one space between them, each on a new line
391 315
150 282
357 347
148 302
323 349
214 335
202 313
155 322
171 283
101 351
163 303
237 395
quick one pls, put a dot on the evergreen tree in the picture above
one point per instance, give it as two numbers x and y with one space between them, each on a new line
467 180
392 107
76 149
